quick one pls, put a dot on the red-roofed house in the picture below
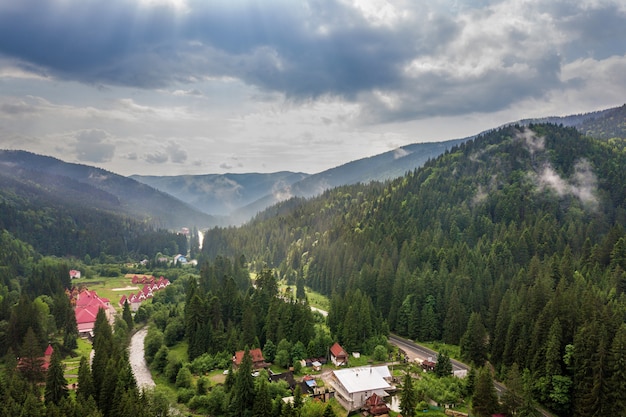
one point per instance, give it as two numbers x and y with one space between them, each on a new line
86 309
338 355
376 406
258 361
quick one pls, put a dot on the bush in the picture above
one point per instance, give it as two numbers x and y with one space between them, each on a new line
172 368
183 395
183 378
160 359
152 343
380 353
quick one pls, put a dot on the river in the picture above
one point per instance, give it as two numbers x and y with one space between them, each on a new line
137 360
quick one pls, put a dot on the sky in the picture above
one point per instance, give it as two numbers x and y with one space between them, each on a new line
171 87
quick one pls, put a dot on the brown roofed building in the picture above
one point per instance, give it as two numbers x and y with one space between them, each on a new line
338 355
258 361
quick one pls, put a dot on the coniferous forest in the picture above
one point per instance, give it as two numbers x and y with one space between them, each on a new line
511 246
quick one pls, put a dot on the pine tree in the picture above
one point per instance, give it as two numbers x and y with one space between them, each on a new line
56 384
453 323
85 387
443 367
408 398
513 397
31 358
262 401
473 345
103 348
617 379
242 395
127 315
485 399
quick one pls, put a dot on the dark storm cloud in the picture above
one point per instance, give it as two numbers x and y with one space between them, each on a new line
310 49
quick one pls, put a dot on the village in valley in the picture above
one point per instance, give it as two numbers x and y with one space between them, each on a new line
351 382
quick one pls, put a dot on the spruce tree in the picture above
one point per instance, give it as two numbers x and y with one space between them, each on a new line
617 379
242 394
31 358
85 387
262 401
443 367
127 315
473 342
56 384
408 397
485 399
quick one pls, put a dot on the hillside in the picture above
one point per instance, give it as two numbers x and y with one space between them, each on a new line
86 186
67 209
602 124
515 237
239 197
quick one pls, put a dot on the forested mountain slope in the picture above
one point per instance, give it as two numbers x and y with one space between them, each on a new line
94 188
515 239
53 207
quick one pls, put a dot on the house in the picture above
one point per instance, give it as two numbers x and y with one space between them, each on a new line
338 355
353 386
376 406
45 360
285 376
258 361
86 306
74 274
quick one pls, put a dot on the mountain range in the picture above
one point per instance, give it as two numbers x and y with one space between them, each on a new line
228 199
241 196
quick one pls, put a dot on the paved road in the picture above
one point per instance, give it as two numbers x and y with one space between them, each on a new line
415 351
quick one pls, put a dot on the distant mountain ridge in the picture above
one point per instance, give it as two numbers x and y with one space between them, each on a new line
232 194
221 194
29 177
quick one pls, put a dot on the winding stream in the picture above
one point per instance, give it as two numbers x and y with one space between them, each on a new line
138 362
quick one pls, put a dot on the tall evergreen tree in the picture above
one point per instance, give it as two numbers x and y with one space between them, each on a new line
243 393
408 397
56 384
127 315
85 387
31 358
617 378
453 325
262 401
473 342
103 348
443 367
485 399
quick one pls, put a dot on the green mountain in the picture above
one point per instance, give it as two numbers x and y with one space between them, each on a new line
511 245
69 209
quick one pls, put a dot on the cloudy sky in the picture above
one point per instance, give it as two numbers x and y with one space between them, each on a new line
169 87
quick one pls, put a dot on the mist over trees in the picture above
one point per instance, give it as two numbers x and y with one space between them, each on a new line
511 245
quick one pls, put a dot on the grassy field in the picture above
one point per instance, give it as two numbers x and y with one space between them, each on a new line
105 287
454 351
316 299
